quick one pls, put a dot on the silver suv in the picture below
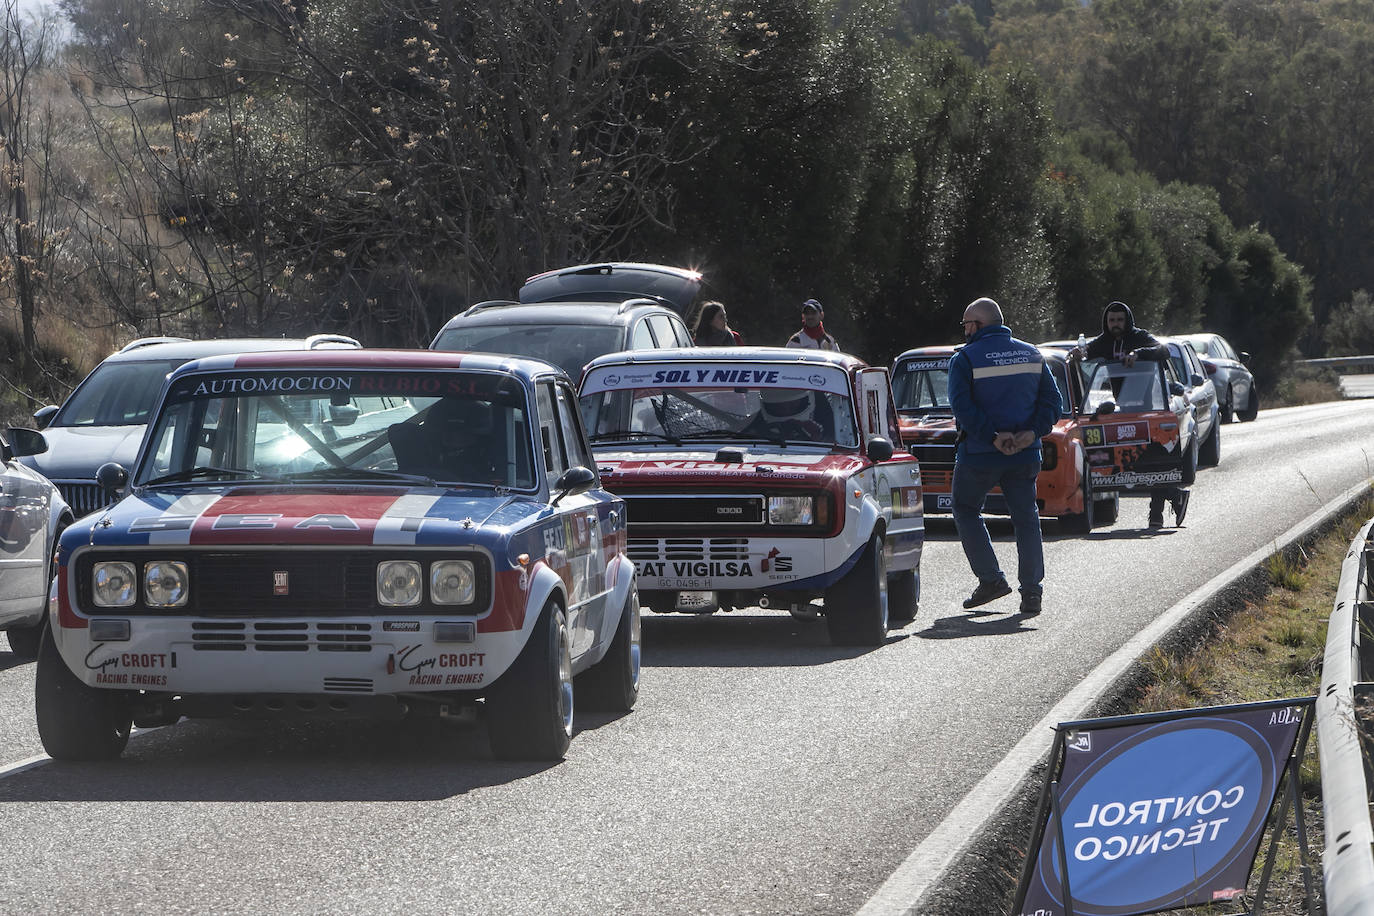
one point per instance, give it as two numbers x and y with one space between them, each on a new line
105 417
569 317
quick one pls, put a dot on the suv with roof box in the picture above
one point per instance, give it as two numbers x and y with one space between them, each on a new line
105 417
569 317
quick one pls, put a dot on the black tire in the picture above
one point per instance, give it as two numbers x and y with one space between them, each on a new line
612 684
75 721
1226 411
1081 522
856 606
1209 456
1252 406
530 709
1190 465
903 596
24 640
1106 511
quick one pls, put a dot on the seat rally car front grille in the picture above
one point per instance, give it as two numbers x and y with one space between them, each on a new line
646 550
280 636
694 510
276 584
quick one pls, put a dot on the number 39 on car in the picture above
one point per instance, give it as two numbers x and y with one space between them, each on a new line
347 533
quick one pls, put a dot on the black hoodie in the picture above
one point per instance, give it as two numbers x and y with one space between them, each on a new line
1133 339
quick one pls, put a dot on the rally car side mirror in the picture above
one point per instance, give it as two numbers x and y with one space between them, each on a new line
111 477
878 449
1104 408
574 480
1176 388
1196 380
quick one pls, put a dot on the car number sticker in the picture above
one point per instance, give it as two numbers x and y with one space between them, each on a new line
1094 435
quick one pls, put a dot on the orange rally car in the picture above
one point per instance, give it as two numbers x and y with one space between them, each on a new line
920 387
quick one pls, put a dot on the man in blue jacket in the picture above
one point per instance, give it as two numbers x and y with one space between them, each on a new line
1004 400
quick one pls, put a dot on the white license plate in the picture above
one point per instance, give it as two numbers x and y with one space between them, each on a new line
690 601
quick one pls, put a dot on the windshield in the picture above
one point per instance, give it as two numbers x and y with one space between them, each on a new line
719 402
921 386
343 425
1134 389
116 394
568 346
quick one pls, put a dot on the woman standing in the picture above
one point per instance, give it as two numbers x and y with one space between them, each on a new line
713 330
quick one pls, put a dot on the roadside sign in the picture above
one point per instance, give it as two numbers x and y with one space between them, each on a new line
1154 812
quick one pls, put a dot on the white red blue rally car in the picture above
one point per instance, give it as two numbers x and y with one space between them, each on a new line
347 533
761 476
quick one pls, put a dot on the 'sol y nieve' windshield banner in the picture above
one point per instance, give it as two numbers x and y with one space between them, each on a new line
1161 811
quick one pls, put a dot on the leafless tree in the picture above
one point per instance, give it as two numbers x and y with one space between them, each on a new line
350 159
24 134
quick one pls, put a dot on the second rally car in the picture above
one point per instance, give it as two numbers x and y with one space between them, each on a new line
761 476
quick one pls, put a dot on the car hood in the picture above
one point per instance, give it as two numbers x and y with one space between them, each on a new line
933 426
760 465
74 452
309 515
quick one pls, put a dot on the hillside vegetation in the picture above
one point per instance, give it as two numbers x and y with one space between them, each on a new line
214 167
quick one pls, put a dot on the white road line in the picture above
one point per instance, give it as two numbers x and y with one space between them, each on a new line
901 893
11 769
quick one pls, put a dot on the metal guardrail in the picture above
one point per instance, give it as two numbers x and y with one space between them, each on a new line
1348 861
1365 363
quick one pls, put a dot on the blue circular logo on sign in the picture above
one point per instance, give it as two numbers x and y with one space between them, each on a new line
1168 810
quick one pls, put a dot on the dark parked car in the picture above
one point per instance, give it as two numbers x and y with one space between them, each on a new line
571 316
1236 391
32 516
105 417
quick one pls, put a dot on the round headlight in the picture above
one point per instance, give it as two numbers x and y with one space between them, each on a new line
399 583
165 583
113 584
452 582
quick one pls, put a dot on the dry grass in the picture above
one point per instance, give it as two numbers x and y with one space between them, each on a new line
1269 650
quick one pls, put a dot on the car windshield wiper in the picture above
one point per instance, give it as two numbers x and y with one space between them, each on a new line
204 471
332 473
622 434
721 434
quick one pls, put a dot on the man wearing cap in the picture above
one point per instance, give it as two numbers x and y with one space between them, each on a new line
1004 399
812 335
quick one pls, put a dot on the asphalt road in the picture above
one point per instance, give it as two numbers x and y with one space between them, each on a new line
762 772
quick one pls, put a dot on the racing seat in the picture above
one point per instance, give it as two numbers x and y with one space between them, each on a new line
453 441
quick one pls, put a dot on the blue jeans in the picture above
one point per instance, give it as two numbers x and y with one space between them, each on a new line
971 486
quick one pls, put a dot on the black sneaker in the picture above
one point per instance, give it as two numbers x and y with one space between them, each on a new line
1180 507
1030 605
987 591
1157 519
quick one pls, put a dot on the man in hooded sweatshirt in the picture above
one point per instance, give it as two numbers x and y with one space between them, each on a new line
1121 339
1004 399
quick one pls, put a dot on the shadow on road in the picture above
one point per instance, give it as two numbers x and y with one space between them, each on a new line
744 640
312 761
9 660
963 626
